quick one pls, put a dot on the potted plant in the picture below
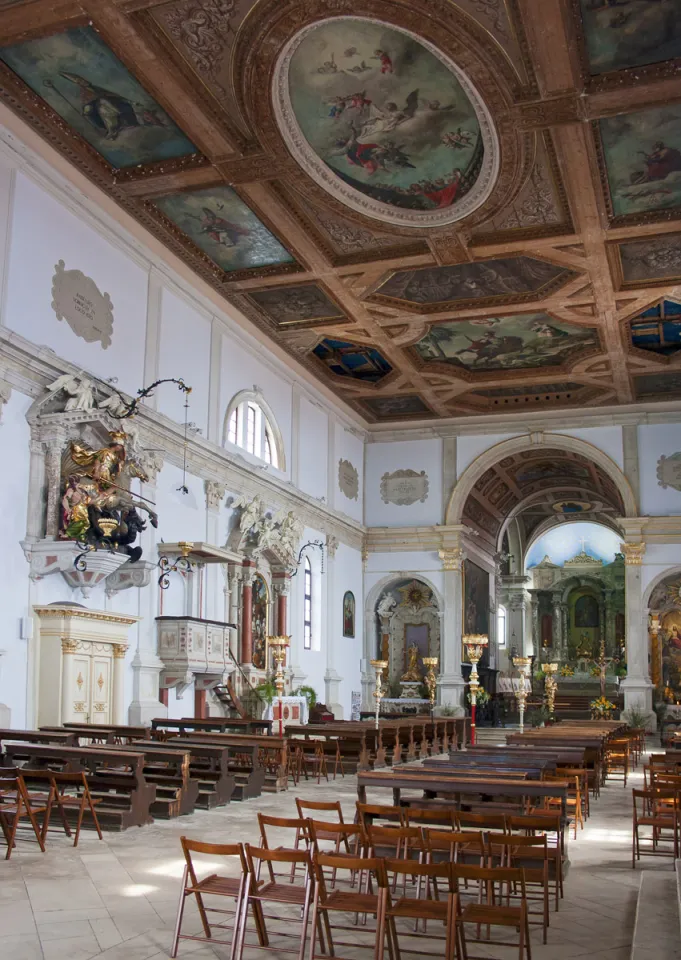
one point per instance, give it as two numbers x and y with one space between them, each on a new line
309 693
538 717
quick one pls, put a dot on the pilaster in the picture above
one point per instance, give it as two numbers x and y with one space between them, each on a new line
451 683
637 685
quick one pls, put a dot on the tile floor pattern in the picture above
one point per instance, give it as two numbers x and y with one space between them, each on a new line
116 899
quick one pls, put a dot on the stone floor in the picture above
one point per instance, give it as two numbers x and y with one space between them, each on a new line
116 899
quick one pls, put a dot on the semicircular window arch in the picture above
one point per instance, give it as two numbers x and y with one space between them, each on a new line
250 425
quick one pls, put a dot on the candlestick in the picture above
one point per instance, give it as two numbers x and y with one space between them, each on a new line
522 664
475 644
379 666
279 646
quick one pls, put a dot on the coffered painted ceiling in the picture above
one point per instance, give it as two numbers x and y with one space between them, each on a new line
438 208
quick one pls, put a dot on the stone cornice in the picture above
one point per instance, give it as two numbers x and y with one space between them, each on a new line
31 369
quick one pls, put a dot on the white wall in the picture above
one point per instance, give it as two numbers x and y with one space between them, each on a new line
347 446
346 652
184 352
414 455
655 441
312 448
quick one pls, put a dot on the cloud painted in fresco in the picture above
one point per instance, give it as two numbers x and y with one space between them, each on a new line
564 542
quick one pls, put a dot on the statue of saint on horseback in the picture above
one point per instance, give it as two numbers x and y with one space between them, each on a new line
96 494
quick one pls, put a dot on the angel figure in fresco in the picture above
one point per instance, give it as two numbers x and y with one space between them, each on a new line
391 116
412 674
224 232
385 61
108 112
660 162
457 139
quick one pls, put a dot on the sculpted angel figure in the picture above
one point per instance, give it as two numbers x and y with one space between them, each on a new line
386 606
251 511
81 392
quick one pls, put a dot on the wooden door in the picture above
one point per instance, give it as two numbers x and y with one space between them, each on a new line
101 689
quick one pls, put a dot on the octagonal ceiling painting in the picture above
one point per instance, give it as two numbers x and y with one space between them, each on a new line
385 122
505 343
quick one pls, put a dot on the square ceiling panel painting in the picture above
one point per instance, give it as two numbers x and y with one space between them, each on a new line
630 33
665 386
219 223
658 329
393 408
642 154
651 260
509 279
294 306
505 343
88 86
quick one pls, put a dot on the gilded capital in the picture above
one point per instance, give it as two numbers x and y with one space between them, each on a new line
452 558
68 646
633 553
119 650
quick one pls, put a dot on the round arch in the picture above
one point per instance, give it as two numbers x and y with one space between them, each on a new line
551 441
552 522
256 396
655 582
375 592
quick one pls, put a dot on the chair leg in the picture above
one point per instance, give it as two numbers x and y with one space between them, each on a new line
180 913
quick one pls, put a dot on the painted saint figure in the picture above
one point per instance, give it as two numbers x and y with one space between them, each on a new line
660 162
224 232
108 112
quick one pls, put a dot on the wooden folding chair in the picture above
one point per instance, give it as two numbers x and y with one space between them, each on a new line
548 825
328 904
258 893
466 847
70 792
16 805
418 908
283 823
436 818
231 888
491 910
657 809
311 754
531 855
368 813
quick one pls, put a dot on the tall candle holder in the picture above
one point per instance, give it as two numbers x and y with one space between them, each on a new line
430 680
550 685
379 666
279 647
522 665
475 644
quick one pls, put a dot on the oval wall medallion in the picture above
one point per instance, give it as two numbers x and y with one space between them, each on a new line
385 122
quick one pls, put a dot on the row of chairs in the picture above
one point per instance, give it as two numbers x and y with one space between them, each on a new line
34 794
438 896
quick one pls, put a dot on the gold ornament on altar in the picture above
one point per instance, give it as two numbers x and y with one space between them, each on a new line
475 644
415 595
279 646
550 685
430 663
412 674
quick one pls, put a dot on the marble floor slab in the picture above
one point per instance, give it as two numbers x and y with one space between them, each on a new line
116 899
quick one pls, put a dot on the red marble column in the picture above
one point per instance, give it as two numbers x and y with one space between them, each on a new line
247 615
163 696
282 590
199 704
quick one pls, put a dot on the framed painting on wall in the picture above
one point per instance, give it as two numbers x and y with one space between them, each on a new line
348 614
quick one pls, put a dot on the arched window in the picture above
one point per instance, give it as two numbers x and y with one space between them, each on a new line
250 424
501 626
307 613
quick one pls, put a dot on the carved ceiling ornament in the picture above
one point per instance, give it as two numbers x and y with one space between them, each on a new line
348 479
404 487
369 201
77 299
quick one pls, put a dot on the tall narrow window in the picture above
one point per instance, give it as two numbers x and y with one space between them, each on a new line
307 617
501 626
233 430
251 413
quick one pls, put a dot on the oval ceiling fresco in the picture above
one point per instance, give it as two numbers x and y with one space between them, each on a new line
385 122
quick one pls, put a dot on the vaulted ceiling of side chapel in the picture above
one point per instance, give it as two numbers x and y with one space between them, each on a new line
439 208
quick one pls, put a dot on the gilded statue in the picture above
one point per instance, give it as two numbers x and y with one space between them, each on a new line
413 674
95 488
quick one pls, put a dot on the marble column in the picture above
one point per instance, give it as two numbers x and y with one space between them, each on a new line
118 693
36 484
451 683
332 679
247 613
558 643
637 686
565 631
234 581
215 494
54 448
146 664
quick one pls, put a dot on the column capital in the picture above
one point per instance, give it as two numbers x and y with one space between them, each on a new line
68 646
215 493
331 545
452 558
282 587
633 553
5 394
119 650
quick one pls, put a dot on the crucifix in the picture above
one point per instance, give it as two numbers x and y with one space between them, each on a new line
583 541
603 662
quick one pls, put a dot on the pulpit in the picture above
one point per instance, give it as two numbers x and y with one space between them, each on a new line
82 663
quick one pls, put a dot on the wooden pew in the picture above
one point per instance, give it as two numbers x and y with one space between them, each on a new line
245 760
208 767
122 732
536 767
83 734
352 739
37 736
457 786
563 755
162 726
177 792
115 776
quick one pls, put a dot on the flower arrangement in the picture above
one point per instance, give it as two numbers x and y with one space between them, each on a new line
601 708
481 698
567 671
595 671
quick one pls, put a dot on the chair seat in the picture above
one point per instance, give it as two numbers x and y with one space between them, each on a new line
220 886
657 822
12 809
351 902
496 916
424 909
281 892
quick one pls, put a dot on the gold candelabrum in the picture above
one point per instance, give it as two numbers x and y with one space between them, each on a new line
550 685
430 680
475 644
279 647
522 665
379 666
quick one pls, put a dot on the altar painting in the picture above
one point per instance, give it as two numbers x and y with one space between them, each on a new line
476 599
259 621
670 650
